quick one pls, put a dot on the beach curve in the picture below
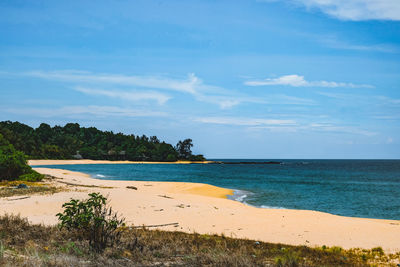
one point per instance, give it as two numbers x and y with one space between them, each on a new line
204 209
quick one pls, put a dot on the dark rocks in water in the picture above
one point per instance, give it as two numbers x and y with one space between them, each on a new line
22 186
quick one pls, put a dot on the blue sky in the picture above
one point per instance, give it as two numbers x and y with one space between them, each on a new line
243 79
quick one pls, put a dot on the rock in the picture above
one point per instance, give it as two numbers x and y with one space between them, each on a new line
22 186
132 187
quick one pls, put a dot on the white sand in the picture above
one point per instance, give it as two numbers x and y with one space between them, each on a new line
204 209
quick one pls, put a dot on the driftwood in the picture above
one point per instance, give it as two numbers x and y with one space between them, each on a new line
17 198
132 187
157 225
165 196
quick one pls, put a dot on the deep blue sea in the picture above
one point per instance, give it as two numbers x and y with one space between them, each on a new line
357 188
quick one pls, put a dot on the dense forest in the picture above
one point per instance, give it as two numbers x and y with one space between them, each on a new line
73 141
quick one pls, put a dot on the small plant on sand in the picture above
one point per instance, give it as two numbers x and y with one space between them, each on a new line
1 251
288 258
93 220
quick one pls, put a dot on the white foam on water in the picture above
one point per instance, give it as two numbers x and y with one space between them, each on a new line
99 176
271 207
239 195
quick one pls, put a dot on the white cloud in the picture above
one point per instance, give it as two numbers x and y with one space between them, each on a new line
187 85
368 99
191 85
101 111
334 42
130 96
287 125
327 127
299 81
244 121
356 10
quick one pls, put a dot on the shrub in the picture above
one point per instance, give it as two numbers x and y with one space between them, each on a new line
33 176
92 220
197 158
289 258
171 157
13 163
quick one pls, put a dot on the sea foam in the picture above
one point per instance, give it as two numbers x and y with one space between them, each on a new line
240 195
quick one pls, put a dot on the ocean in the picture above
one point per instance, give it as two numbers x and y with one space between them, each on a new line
356 188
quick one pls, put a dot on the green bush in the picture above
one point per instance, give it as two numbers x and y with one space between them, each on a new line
92 220
197 158
171 158
13 163
33 176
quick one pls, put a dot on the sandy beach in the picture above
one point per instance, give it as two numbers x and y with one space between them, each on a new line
205 209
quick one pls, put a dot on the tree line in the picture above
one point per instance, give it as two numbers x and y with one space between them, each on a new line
73 141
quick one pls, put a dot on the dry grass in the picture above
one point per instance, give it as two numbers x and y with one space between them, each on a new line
23 244
7 188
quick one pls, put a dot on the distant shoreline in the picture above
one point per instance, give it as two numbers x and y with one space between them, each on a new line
41 162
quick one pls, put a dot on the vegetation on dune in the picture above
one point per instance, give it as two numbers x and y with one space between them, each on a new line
73 141
13 165
24 244
12 191
92 220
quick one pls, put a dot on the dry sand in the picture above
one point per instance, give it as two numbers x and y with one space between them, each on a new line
204 209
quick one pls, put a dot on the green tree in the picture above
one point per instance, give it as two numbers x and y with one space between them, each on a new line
44 132
46 142
184 149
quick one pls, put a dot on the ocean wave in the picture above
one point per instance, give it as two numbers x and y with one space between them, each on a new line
240 195
271 207
100 176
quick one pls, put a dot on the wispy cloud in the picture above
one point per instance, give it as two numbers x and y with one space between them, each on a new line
299 81
389 100
284 125
101 111
192 85
244 121
356 10
130 96
328 127
334 42
184 85
369 99
88 83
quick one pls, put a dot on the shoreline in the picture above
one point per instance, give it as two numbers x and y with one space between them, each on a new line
41 162
205 209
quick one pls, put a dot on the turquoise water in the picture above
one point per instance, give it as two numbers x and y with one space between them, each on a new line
357 188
